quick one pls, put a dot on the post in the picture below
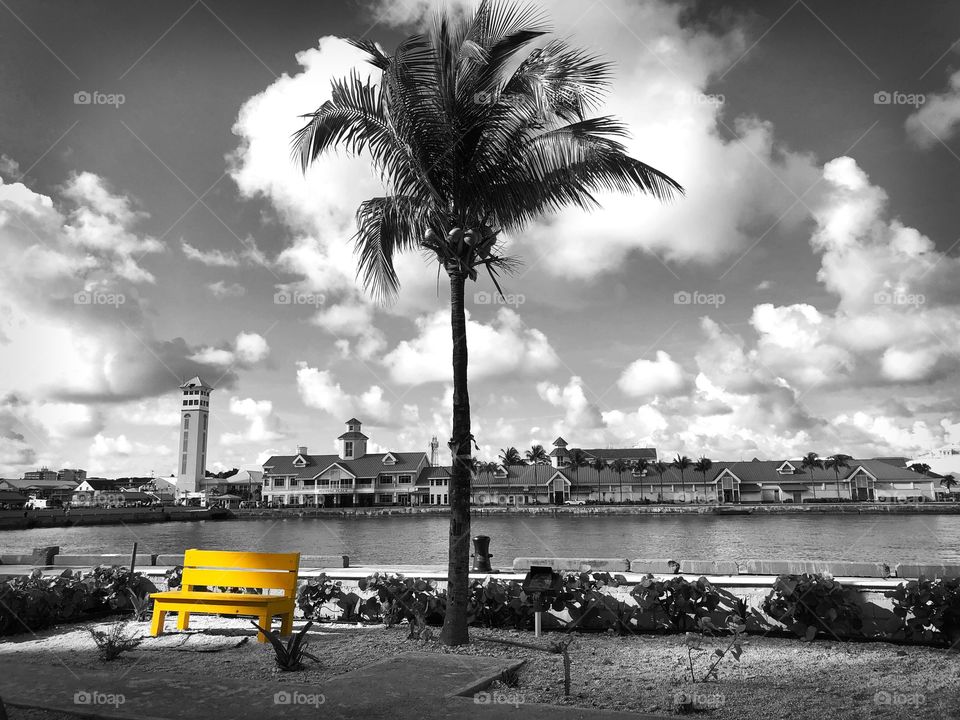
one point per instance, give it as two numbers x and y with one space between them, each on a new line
133 558
537 622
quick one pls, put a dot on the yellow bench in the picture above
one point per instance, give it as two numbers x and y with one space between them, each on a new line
214 568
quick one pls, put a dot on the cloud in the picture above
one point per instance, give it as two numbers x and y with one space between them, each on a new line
937 120
503 348
662 376
262 425
247 350
222 290
319 389
211 258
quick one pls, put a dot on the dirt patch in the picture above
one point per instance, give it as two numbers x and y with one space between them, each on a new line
776 678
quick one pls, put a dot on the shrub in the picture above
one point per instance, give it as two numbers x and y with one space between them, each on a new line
37 601
674 604
114 642
811 604
927 610
289 656
316 593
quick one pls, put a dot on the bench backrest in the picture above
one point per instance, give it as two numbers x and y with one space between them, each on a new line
216 568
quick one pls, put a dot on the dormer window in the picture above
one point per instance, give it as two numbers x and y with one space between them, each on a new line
786 469
299 461
500 471
389 459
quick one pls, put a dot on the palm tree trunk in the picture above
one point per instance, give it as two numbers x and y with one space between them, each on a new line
458 568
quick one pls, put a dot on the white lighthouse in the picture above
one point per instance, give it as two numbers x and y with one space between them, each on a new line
194 417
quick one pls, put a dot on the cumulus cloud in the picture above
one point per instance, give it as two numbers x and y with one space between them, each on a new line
246 350
937 120
262 425
319 389
222 290
505 347
662 376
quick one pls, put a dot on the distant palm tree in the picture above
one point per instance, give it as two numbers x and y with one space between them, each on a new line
510 457
682 463
811 461
598 464
836 463
537 455
703 466
620 467
576 460
921 468
472 141
660 467
948 482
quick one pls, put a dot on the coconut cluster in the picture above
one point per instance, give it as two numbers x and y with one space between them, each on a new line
467 248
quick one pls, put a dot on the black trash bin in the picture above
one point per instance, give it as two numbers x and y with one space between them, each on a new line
481 553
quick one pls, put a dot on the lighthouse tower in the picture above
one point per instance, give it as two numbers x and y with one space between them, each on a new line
194 416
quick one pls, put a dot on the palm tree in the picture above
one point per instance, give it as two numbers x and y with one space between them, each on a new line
681 463
598 464
537 455
948 481
471 144
811 461
619 467
703 466
836 463
660 467
510 457
921 468
577 459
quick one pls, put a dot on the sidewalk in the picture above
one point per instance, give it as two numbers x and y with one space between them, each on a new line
410 686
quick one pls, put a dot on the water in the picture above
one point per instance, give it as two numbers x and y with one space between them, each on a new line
423 539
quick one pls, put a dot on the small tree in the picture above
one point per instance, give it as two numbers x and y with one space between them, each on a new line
811 461
537 455
682 463
836 463
619 467
660 467
703 466
511 457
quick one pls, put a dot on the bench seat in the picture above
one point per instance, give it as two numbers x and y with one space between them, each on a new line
204 568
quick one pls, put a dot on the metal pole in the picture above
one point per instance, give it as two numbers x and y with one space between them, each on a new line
133 558
537 622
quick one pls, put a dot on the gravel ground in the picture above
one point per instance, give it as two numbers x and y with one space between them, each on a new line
776 678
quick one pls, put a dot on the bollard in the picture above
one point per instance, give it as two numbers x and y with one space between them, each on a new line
481 554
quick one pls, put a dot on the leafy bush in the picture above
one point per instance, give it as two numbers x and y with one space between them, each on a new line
674 604
812 604
316 593
37 601
927 610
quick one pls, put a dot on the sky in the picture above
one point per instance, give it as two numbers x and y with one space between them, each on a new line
801 297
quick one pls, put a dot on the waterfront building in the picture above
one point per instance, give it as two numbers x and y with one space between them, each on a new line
560 455
194 419
352 477
47 489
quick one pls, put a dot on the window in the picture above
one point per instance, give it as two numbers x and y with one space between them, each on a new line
444 499
365 481
405 478
183 464
323 482
279 482
309 483
186 422
348 448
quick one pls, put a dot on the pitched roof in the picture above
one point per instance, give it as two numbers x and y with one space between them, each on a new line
353 435
367 466
622 453
195 381
11 496
352 421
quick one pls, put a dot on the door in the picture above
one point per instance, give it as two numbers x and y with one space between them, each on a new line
558 497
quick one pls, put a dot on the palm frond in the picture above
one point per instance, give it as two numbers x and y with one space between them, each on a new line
375 56
385 226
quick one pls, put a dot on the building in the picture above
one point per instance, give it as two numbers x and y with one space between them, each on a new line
560 455
71 475
194 418
754 481
352 477
48 488
12 500
43 475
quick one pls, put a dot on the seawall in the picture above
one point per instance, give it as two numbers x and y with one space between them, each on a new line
26 519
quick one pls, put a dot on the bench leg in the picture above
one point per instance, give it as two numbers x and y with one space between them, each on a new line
265 622
286 627
183 620
156 622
